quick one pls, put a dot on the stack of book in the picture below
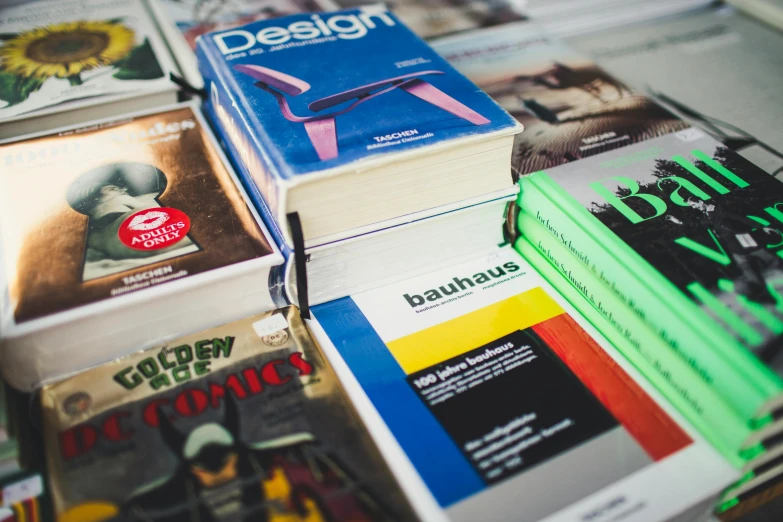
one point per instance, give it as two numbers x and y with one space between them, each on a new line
381 156
66 61
122 234
371 278
510 405
662 235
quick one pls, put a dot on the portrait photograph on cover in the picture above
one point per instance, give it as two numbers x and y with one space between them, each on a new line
570 107
125 195
116 208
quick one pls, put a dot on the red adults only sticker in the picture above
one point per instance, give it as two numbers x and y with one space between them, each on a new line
154 228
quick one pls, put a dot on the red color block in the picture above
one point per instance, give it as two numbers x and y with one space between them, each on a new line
652 427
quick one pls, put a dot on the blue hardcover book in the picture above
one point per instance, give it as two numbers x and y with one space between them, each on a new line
351 120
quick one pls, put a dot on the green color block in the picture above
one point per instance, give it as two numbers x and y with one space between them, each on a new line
662 367
744 382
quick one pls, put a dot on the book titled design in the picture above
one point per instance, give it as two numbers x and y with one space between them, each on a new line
112 214
68 56
687 232
382 128
570 107
496 390
245 421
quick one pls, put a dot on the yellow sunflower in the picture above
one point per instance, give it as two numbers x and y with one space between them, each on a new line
65 50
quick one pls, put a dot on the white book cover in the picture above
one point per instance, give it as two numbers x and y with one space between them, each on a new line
489 389
55 55
119 234
768 11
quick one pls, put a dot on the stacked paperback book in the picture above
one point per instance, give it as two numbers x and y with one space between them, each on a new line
509 405
70 60
663 235
143 232
423 261
373 161
704 45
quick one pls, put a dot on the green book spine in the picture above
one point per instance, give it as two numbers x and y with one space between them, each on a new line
718 359
675 379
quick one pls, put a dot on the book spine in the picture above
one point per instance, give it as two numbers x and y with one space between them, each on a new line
736 379
245 138
175 42
713 338
277 274
675 379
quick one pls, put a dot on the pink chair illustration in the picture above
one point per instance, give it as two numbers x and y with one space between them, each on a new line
321 128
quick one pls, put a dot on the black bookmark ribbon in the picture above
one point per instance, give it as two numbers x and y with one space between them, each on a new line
187 87
300 263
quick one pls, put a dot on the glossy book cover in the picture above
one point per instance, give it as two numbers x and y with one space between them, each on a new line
377 90
243 422
496 389
570 107
703 217
57 52
686 232
116 207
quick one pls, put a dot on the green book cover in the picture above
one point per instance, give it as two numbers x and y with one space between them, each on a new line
686 232
674 378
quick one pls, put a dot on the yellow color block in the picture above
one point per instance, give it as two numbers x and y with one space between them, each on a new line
97 511
462 334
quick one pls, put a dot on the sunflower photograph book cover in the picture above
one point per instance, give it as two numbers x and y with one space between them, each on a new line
243 422
55 52
98 212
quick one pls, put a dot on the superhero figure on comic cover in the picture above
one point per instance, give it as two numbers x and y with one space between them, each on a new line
220 478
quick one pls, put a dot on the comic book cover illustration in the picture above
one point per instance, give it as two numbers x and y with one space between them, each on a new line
241 422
